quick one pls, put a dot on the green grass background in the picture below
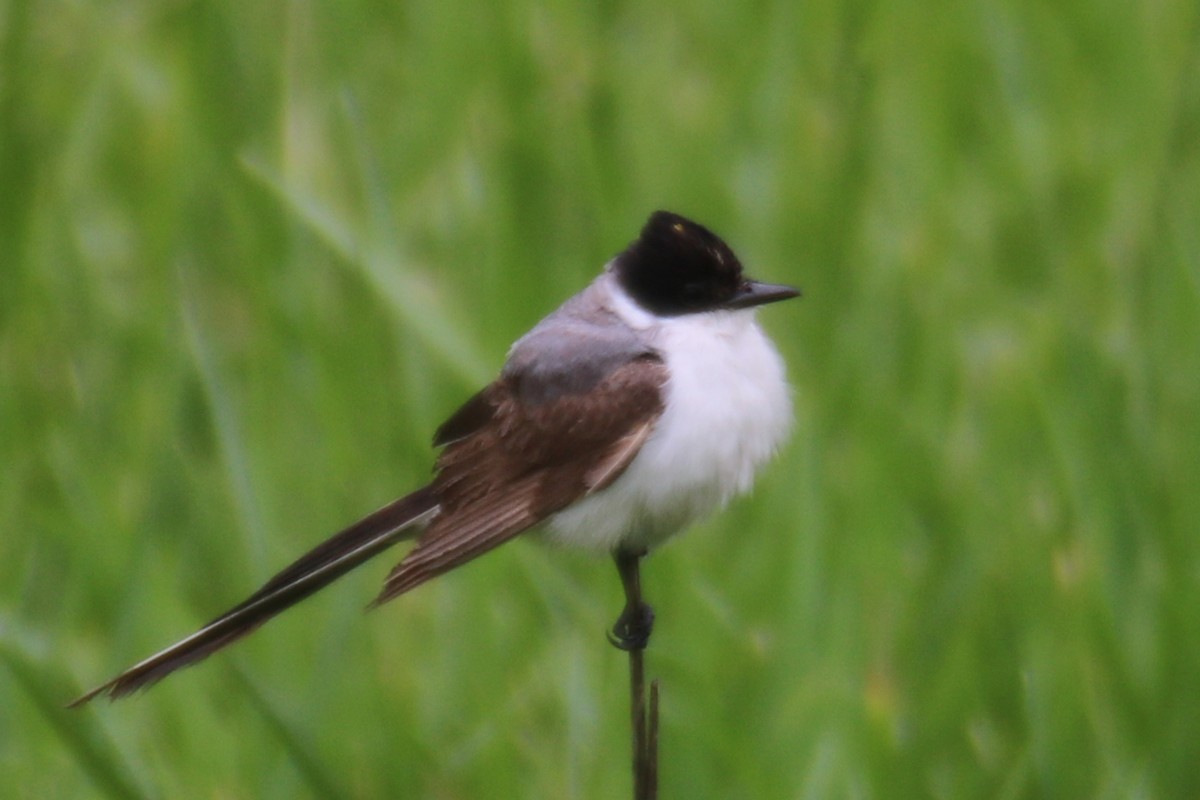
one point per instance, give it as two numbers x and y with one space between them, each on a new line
251 254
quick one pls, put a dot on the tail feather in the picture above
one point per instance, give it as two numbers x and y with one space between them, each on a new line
315 569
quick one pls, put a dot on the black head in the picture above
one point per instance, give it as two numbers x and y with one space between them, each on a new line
679 267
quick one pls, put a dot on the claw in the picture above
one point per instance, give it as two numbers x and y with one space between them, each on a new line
633 628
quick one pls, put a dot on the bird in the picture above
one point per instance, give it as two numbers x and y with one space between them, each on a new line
641 405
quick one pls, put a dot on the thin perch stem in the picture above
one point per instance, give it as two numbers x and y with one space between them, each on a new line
652 744
632 633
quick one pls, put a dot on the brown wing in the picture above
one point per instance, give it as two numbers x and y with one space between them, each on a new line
524 461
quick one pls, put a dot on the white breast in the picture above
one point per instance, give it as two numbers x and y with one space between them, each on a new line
727 410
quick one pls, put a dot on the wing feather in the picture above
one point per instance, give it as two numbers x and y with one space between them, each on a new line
528 461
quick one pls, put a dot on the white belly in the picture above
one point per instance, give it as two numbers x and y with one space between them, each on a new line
727 410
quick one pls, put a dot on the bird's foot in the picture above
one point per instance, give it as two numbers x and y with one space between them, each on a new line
632 629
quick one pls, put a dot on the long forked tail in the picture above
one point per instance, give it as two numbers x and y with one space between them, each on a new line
315 569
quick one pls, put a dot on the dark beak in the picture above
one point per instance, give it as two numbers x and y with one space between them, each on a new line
753 293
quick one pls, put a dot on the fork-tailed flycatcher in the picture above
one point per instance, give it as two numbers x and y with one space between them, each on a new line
643 403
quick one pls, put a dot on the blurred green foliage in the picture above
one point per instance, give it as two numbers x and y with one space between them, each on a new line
251 255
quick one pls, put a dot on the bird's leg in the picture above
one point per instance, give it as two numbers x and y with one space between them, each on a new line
633 627
631 634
